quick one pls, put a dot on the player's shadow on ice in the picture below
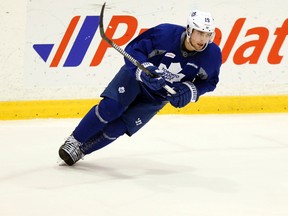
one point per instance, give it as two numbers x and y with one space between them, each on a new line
120 168
151 174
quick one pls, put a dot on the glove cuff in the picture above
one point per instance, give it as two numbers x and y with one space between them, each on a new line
193 90
139 71
147 64
138 74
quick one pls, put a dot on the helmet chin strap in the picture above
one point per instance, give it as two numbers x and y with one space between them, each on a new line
189 43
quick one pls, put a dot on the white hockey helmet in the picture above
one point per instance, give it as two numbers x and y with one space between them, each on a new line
201 21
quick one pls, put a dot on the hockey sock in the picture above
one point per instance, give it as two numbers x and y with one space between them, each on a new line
110 133
96 119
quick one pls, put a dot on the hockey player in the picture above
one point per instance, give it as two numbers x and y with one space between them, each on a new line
185 58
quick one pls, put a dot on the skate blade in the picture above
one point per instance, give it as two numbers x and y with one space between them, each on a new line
61 162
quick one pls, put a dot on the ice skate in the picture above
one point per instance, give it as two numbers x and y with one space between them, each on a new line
70 151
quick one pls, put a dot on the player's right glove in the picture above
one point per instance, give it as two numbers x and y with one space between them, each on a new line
155 82
186 93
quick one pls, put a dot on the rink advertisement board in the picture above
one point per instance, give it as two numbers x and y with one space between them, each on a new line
64 47
57 65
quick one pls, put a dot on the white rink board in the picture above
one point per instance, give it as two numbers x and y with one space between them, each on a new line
25 76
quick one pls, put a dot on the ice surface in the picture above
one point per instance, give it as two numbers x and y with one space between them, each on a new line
200 165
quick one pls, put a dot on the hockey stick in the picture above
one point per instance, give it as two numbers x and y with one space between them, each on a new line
125 54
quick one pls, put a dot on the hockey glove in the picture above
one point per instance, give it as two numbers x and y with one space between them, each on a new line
186 92
154 82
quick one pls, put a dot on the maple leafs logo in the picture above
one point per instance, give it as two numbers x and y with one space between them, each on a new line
172 74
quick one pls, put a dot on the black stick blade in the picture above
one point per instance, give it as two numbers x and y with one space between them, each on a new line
101 21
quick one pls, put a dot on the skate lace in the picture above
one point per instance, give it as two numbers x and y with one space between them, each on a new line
72 147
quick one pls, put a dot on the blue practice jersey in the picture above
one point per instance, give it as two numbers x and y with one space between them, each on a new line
163 46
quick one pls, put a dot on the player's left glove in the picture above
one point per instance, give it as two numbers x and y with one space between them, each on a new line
186 93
